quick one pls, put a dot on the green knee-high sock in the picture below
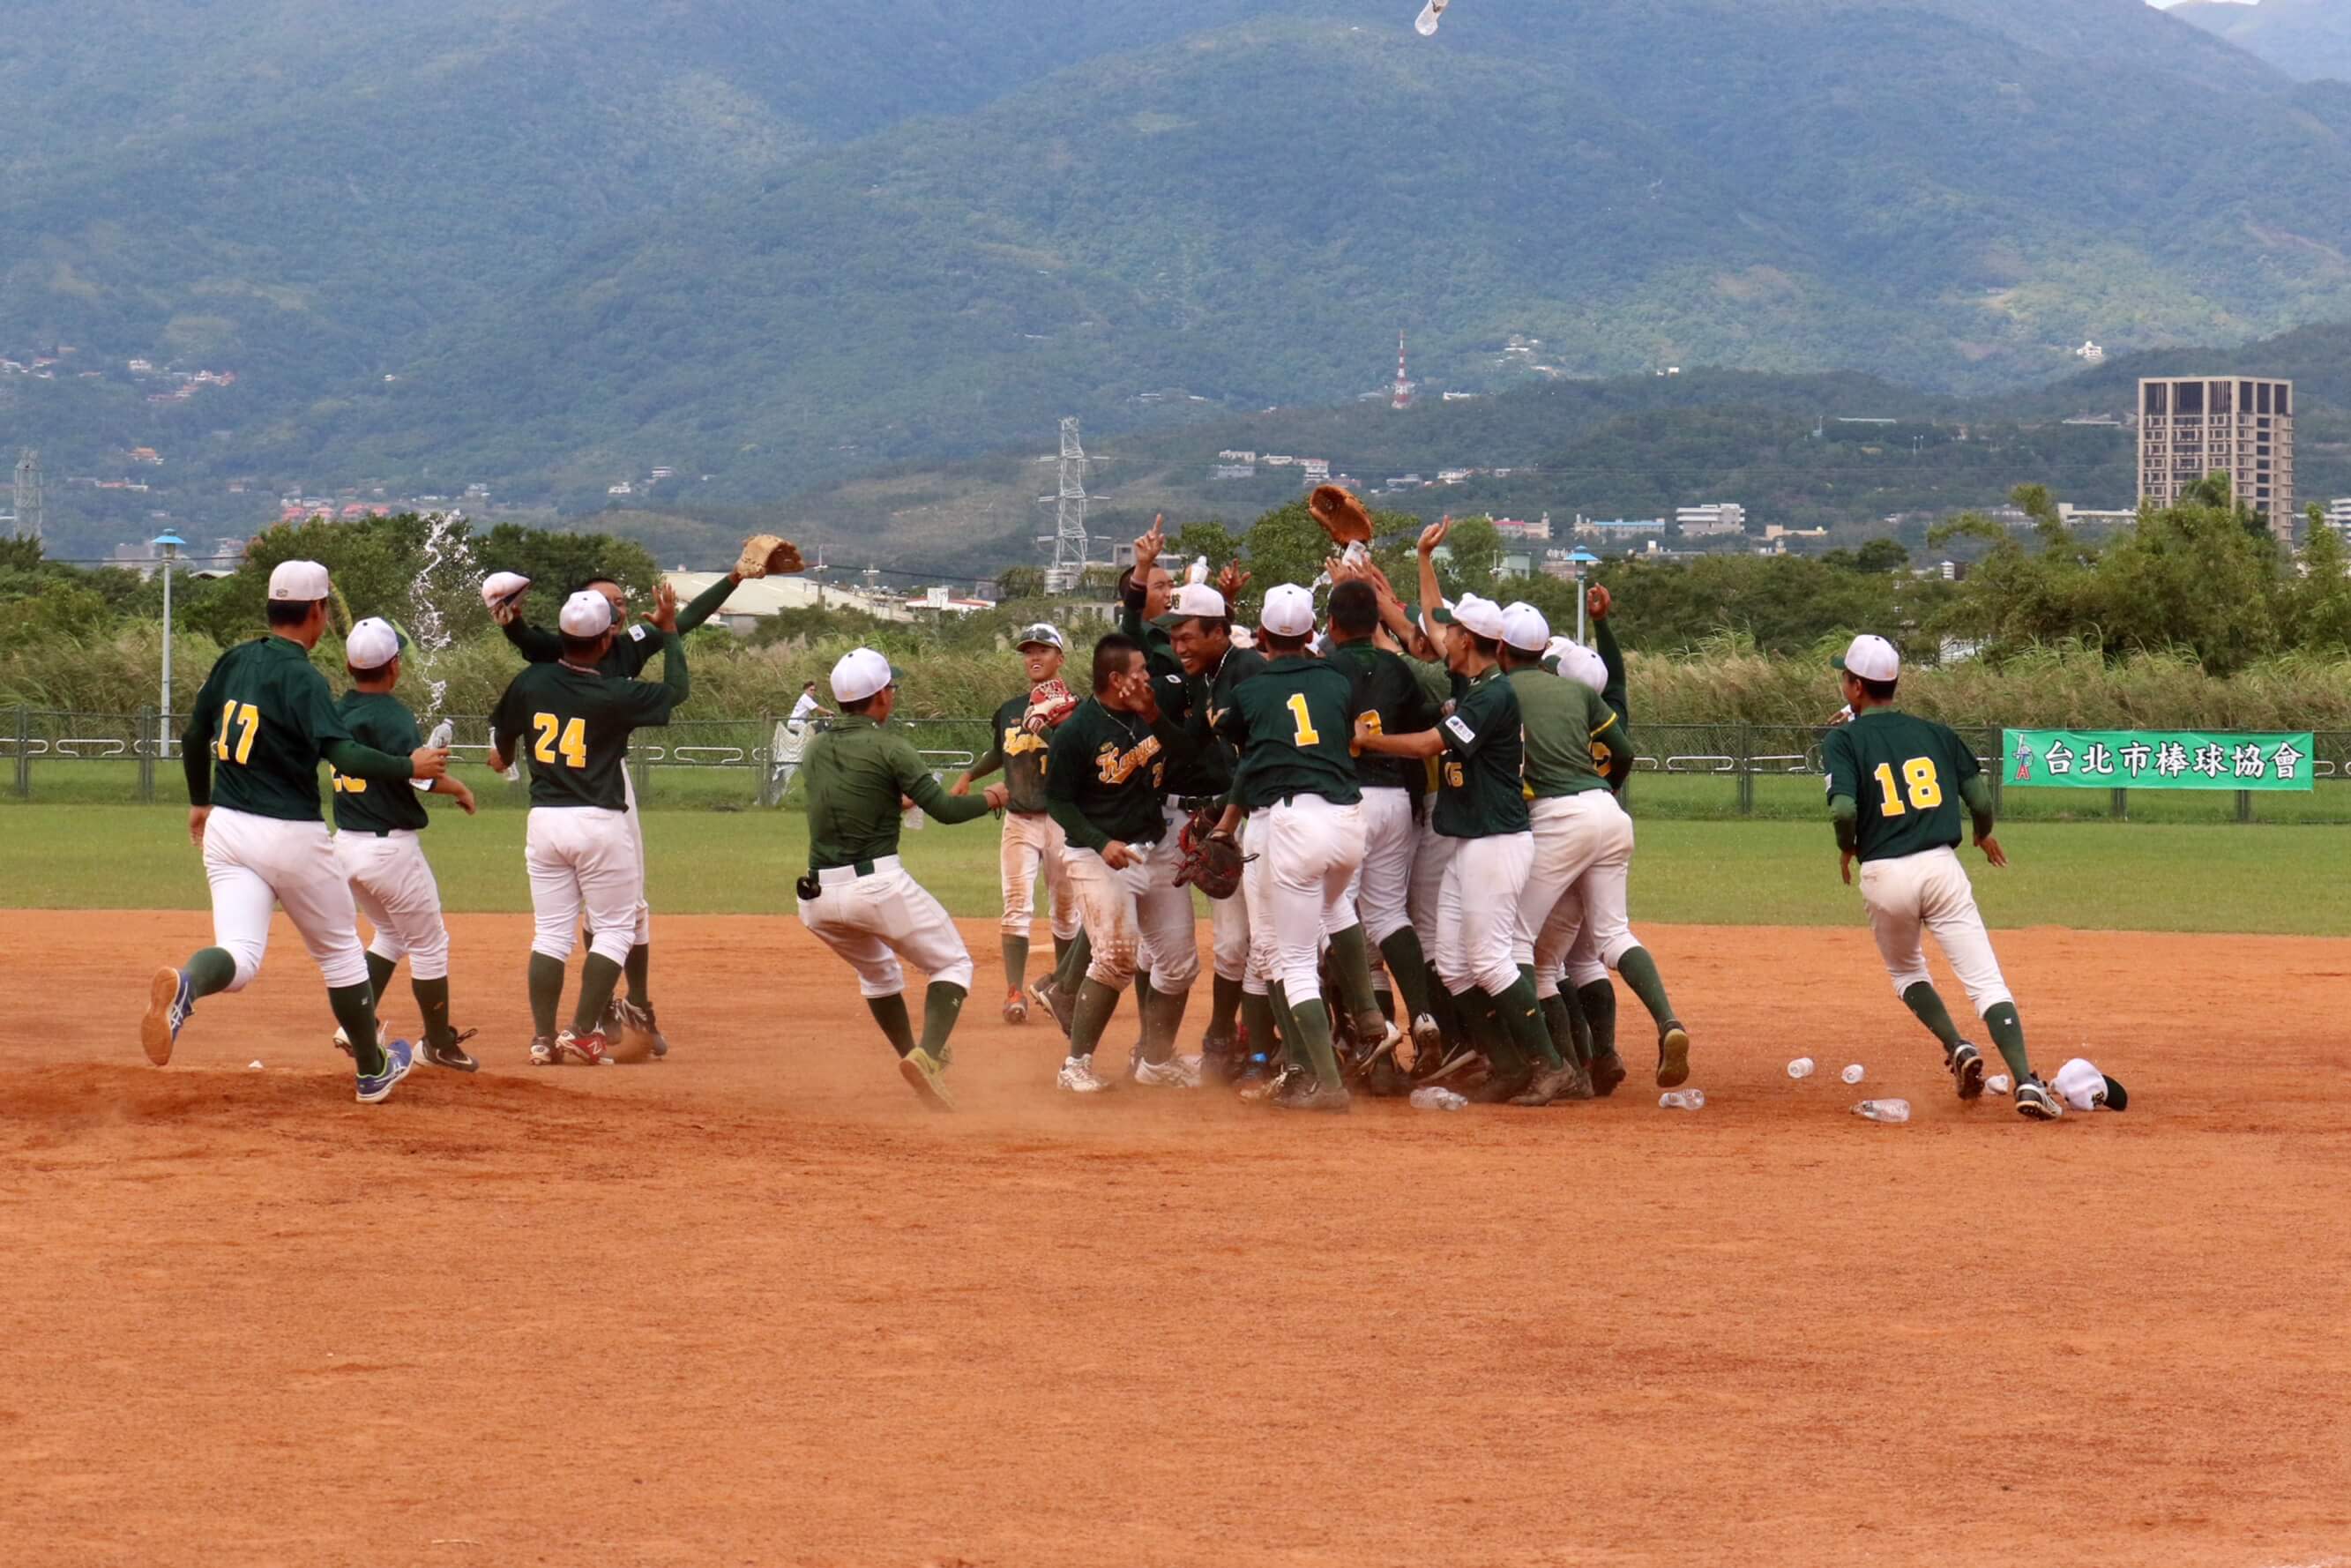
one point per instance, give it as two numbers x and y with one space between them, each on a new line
1521 1013
1923 1001
1095 1003
1257 1012
1075 960
598 976
1445 1008
1408 967
1486 1028
1560 1023
1163 1020
1061 945
1640 972
897 1028
638 969
942 1005
1143 995
1598 1002
1016 961
1284 1019
432 1000
1314 1040
2008 1033
1224 1007
545 993
1578 1024
1352 954
210 970
355 1010
380 970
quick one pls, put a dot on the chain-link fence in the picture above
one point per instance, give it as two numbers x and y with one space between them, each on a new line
723 764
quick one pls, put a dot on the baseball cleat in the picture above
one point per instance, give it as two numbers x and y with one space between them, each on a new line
170 999
1175 1072
1550 1084
542 1053
1967 1067
1386 1039
1607 1072
640 1037
1307 1092
1427 1041
588 1049
343 1039
1016 1006
398 1058
451 1053
1673 1057
1501 1088
927 1075
1078 1077
1277 1083
1048 996
2034 1102
1460 1059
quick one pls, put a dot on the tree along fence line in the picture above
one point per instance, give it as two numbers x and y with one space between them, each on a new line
1681 770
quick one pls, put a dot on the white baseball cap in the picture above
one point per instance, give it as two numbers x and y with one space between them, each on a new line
1482 616
1198 599
859 675
373 643
1044 634
298 580
1574 662
1524 628
586 614
1244 639
1872 659
501 586
1289 611
2081 1085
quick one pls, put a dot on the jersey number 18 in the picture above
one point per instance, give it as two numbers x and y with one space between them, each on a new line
1926 787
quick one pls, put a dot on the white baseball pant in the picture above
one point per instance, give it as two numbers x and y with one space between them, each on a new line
1136 916
582 859
255 863
1477 912
1228 920
873 921
641 920
393 885
1573 833
1930 892
1382 890
1429 861
1311 849
1591 928
1034 842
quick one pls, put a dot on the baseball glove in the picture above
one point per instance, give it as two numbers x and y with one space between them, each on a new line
1048 705
1212 863
1341 516
765 553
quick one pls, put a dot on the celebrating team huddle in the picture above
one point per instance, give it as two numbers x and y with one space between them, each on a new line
1406 821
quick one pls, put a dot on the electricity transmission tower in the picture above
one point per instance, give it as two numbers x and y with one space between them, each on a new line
1069 536
28 493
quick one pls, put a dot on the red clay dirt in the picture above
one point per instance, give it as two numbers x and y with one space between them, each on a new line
754 1305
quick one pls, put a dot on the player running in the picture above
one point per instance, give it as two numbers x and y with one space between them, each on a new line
570 723
263 721
1896 784
378 847
857 899
1018 743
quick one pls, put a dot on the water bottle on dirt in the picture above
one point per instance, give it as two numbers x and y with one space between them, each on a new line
1682 1100
1800 1068
1890 1111
1437 1097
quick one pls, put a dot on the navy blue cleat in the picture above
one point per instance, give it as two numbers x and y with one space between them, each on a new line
376 1087
170 999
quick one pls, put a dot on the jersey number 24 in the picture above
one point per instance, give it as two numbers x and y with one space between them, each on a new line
1924 785
555 735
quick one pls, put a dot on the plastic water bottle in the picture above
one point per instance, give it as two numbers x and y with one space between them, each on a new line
1425 23
1437 1097
443 733
1800 1068
1999 1083
1854 1073
1682 1100
1895 1110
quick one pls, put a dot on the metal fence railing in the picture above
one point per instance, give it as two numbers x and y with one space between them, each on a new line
1681 770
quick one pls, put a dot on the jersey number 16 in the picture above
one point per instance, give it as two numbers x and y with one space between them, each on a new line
1926 787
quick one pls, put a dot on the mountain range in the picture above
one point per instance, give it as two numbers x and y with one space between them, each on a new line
547 245
2308 39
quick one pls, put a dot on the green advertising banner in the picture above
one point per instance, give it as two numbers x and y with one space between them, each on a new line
2153 759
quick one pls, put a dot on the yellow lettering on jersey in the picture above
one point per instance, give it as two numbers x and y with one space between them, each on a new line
555 735
347 785
1019 742
1115 767
233 715
1926 787
1307 735
1454 778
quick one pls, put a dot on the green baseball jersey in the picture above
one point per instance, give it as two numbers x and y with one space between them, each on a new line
1294 722
1020 753
1211 699
268 716
361 806
1396 702
1561 722
1479 793
571 730
1107 774
1904 776
1197 771
634 646
858 772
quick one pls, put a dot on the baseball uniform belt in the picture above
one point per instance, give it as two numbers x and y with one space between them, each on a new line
833 876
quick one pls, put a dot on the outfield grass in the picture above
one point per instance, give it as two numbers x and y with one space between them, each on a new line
2134 876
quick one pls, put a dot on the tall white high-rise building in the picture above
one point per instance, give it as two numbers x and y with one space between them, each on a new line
2191 426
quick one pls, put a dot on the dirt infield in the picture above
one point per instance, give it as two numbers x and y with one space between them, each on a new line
753 1306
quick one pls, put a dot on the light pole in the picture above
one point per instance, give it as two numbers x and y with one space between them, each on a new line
169 543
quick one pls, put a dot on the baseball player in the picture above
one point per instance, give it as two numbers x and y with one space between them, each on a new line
251 748
378 847
631 648
1018 743
857 898
570 724
1480 806
1896 784
1294 724
1106 774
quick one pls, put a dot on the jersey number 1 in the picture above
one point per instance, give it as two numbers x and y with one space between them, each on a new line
1307 734
573 741
1926 787
245 718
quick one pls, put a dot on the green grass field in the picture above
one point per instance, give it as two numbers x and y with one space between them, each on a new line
2137 876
